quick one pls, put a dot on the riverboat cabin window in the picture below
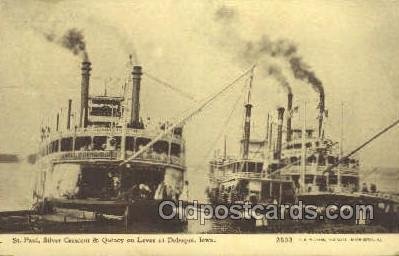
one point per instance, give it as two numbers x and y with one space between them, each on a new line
332 179
83 143
235 168
161 147
130 143
332 160
104 111
259 167
309 179
321 181
322 160
251 167
66 144
54 146
99 142
312 159
175 150
105 107
239 167
116 140
141 142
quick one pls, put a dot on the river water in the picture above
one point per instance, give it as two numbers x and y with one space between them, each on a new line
16 185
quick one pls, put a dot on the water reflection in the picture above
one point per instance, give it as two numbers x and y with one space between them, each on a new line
16 183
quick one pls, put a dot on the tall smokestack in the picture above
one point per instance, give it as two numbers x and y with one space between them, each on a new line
69 114
280 112
137 72
321 114
247 130
289 116
84 95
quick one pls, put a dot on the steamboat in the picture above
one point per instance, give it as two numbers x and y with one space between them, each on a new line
291 164
110 162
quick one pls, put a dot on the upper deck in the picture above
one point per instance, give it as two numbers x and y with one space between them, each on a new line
103 144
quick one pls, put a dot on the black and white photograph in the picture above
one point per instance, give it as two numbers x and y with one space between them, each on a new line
198 117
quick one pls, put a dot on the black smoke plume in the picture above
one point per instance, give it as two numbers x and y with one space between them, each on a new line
276 72
264 49
73 40
302 71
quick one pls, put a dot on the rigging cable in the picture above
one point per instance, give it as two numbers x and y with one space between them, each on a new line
225 125
362 145
187 118
169 86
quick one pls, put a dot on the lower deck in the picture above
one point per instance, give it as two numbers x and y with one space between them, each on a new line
99 181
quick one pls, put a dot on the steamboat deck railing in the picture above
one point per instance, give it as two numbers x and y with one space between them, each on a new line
246 175
115 131
115 156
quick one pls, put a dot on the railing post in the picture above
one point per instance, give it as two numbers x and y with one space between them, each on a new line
170 148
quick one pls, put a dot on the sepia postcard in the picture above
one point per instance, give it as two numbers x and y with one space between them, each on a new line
177 127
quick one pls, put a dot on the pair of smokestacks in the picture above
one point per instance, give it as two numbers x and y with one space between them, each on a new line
247 128
280 112
84 96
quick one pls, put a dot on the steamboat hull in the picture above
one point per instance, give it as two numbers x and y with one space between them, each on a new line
145 211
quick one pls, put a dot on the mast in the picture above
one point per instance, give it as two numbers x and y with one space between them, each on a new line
267 141
225 148
303 151
69 114
247 122
57 122
321 114
271 137
289 116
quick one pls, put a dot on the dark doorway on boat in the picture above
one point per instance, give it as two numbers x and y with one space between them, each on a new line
150 178
98 182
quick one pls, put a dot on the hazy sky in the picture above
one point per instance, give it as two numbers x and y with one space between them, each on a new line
350 45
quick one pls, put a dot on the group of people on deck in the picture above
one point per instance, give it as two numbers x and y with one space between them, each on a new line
139 191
